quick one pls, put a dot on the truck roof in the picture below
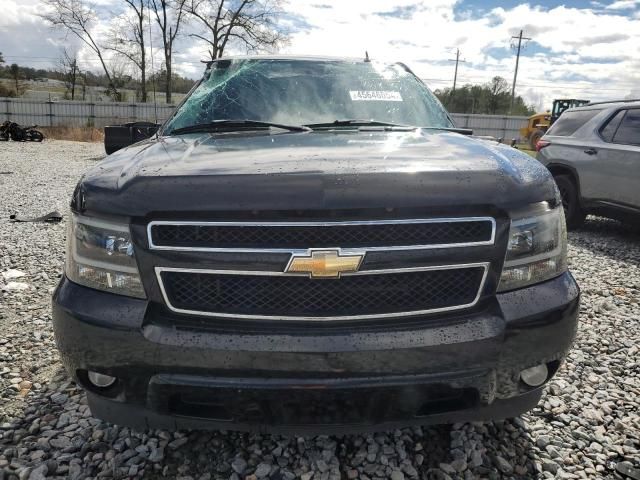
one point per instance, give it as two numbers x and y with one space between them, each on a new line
320 58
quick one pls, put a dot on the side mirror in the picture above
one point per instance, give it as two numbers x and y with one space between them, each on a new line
120 136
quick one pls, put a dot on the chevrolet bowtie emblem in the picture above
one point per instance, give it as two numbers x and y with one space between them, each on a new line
324 263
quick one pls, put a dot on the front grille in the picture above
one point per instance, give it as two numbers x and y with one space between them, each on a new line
355 295
313 406
382 234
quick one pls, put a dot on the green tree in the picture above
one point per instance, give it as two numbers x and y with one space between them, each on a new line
490 98
499 97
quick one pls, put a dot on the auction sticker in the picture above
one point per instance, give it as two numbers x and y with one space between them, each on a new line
375 96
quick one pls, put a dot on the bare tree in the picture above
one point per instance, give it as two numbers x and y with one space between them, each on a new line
78 17
16 76
127 39
84 86
68 66
169 16
251 24
120 69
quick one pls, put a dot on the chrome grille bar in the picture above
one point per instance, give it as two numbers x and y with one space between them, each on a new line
275 249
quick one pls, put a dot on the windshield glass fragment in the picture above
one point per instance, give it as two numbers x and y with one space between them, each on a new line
300 92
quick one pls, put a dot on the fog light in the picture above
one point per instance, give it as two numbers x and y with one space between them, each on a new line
101 380
535 376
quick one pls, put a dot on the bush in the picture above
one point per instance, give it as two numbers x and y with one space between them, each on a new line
6 92
76 134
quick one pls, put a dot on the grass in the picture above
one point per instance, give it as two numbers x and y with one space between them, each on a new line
529 152
76 134
526 148
56 90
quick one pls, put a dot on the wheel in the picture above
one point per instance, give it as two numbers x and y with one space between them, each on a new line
18 135
570 201
534 137
36 136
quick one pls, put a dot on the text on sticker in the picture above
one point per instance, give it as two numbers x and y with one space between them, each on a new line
375 95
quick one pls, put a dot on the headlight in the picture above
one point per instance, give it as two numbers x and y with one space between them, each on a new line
537 249
100 255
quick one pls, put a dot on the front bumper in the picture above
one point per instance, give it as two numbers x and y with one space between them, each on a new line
460 367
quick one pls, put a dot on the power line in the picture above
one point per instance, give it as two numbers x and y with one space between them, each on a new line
548 87
87 63
46 59
515 75
584 83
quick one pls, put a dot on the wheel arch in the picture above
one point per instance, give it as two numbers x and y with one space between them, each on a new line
557 169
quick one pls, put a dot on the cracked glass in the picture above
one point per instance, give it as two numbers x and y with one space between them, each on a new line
301 92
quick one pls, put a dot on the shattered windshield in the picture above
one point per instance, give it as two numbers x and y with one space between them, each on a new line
304 92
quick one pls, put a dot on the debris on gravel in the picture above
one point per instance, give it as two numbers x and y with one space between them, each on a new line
587 425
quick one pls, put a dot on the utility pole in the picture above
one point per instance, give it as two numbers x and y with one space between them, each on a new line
455 78
455 75
515 75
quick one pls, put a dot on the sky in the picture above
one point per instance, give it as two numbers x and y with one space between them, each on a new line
578 49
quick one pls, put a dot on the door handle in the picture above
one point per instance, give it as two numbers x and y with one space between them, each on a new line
590 151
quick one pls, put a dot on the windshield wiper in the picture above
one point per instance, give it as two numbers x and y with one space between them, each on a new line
235 126
358 123
463 131
376 123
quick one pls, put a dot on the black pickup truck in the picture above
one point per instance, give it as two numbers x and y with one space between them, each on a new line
307 245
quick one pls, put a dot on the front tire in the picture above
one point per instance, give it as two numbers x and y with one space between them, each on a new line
534 137
570 201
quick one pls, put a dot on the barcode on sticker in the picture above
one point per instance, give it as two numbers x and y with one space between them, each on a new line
375 96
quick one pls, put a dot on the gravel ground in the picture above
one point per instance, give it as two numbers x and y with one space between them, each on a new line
587 426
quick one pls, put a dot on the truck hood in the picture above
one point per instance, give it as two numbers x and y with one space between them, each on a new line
200 173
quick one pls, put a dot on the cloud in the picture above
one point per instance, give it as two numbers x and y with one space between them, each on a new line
532 30
623 5
611 38
566 41
405 12
575 52
25 38
18 13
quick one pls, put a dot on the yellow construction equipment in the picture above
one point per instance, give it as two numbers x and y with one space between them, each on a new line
538 124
